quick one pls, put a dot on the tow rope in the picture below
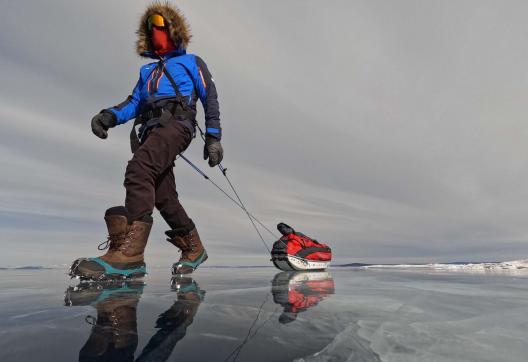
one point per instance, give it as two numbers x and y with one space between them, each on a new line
239 203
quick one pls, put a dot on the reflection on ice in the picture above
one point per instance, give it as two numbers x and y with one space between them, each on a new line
298 291
172 324
114 335
295 292
256 314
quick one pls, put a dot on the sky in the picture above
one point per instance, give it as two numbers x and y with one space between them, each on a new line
393 131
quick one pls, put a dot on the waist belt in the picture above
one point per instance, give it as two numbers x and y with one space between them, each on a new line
158 116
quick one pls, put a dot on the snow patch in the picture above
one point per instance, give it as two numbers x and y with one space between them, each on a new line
505 265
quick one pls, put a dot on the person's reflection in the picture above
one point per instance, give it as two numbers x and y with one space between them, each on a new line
299 291
114 332
172 324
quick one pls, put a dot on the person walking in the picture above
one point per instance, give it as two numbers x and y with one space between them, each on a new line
163 102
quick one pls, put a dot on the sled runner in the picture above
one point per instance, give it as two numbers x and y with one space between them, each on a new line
296 251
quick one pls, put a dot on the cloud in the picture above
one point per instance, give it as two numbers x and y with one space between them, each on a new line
395 131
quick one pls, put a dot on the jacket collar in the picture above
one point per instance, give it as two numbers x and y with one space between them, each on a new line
171 54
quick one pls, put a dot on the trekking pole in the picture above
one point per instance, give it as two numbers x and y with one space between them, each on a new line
251 216
224 172
226 194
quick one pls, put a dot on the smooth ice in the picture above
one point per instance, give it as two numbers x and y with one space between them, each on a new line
260 314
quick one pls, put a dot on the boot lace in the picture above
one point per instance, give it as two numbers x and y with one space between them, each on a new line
128 238
192 246
90 320
112 241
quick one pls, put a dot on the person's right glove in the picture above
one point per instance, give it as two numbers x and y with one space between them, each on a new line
102 122
213 150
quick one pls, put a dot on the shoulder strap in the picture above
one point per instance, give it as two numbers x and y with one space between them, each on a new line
191 115
173 83
171 80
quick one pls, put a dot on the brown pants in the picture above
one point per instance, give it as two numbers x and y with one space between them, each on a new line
149 178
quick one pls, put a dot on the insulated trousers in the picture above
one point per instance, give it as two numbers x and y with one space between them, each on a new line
149 176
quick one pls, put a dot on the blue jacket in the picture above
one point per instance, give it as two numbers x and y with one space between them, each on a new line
194 81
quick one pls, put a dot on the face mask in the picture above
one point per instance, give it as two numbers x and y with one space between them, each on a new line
162 41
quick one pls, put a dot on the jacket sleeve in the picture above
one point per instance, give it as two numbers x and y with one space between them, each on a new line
129 108
206 89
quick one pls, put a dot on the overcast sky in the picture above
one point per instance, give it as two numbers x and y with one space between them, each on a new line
394 130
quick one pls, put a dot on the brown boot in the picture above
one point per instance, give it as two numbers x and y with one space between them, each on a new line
124 258
193 252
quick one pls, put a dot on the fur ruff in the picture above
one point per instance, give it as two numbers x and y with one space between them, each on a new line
179 28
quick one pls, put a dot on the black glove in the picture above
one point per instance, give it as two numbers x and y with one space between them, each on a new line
213 150
102 122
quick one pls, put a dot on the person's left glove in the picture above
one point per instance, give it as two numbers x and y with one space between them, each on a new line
102 122
213 150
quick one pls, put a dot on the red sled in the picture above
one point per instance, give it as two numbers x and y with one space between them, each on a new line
296 251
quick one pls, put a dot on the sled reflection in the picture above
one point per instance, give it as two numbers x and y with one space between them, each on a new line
298 291
114 334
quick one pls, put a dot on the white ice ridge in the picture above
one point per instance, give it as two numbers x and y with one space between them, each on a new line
505 265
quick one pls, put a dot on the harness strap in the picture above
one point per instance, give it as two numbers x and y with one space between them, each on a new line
171 110
172 82
134 140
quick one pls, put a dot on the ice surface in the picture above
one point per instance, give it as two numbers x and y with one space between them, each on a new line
259 314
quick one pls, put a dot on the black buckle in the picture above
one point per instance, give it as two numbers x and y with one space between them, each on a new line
150 114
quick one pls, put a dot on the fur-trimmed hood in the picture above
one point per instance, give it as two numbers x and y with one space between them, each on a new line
179 29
